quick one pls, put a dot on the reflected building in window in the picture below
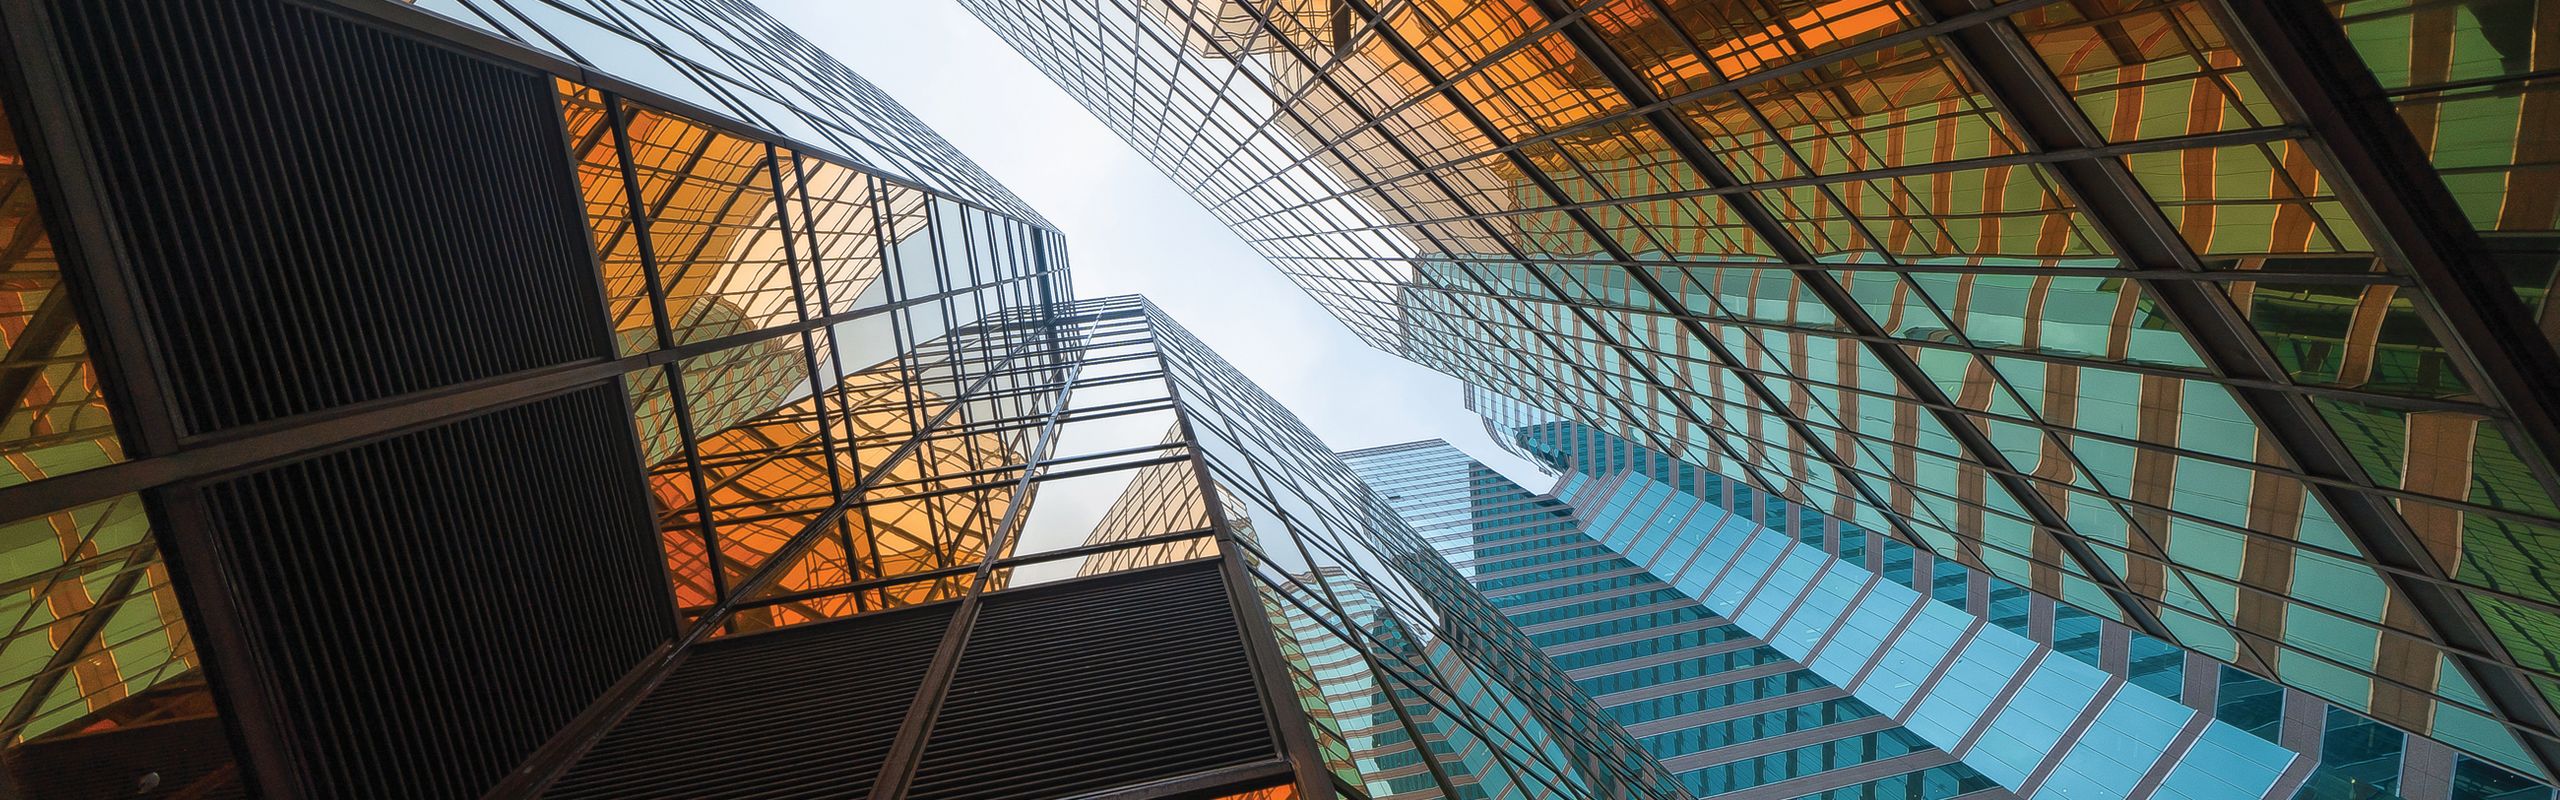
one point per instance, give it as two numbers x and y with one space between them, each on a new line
1826 590
2225 321
621 399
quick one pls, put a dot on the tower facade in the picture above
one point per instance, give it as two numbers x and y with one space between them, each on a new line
512 398
2337 752
2180 311
1721 709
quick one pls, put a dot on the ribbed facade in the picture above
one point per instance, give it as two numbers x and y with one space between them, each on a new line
1726 713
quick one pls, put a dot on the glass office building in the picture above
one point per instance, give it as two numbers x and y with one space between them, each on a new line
2224 321
1636 502
1721 709
501 398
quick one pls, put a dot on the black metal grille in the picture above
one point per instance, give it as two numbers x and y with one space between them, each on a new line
428 609
316 213
1064 690
1108 683
801 712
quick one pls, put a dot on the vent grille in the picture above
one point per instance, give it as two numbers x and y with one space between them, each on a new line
801 712
1063 690
428 609
1098 685
319 213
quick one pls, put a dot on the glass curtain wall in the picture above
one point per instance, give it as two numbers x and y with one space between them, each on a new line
1722 709
2357 757
2120 301
1411 683
800 328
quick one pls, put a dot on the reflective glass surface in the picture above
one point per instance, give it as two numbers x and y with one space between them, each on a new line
2073 293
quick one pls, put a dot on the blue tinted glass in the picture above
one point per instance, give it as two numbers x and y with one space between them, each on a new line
2158 666
2009 606
2077 634
2362 753
2250 703
2474 779
1947 582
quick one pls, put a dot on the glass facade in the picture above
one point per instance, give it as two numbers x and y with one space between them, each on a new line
734 61
1721 709
794 317
94 639
2147 305
754 385
1412 683
2356 757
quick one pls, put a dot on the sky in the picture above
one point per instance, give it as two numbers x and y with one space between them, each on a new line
1130 230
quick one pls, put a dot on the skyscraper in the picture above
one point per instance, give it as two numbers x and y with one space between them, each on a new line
621 399
1716 704
2225 321
1690 524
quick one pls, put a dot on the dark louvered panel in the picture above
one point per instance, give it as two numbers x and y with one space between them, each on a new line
319 213
1091 686
428 609
114 762
806 712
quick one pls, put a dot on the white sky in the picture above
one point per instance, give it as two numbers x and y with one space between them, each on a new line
1130 230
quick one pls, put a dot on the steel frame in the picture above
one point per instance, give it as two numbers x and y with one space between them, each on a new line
2293 48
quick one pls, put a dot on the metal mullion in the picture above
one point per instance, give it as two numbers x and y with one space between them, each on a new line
1843 307
482 43
1599 389
1809 178
772 452
1372 26
1543 774
984 485
711 230
1819 282
2210 276
2054 100
1004 563
2077 432
937 510
1039 476
967 267
62 173
557 753
1302 541
1279 694
2113 196
1732 86
1714 346
893 283
800 291
76 642
2355 395
331 430
1431 761
2361 145
1152 406
898 767
670 372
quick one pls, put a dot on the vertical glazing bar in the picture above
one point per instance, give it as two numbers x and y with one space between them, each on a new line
671 373
800 299
556 754
899 768
1279 693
